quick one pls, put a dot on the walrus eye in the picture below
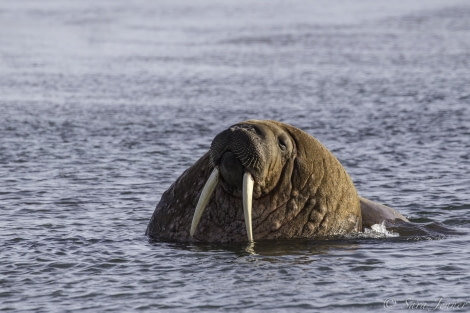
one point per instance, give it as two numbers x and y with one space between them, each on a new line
282 144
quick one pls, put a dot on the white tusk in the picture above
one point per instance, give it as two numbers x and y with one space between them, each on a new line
247 204
204 199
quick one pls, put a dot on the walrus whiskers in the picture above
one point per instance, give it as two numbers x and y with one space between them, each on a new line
204 199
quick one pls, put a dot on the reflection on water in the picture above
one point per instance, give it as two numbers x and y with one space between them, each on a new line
276 248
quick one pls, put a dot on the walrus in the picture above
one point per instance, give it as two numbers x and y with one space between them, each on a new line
263 180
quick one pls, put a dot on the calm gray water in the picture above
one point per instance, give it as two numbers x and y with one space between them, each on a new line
104 104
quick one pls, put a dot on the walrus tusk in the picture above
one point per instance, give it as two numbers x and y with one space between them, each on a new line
247 204
204 199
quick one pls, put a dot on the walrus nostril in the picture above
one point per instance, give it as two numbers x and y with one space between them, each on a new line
257 130
247 128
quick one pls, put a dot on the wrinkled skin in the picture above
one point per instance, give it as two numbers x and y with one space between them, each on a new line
300 189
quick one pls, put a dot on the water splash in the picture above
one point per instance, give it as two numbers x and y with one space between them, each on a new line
379 231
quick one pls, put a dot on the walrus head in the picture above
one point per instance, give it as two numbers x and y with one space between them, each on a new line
258 148
249 157
259 180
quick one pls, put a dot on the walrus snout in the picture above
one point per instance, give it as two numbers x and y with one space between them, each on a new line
237 157
238 147
232 170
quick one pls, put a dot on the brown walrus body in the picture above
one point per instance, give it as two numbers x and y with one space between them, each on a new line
300 190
